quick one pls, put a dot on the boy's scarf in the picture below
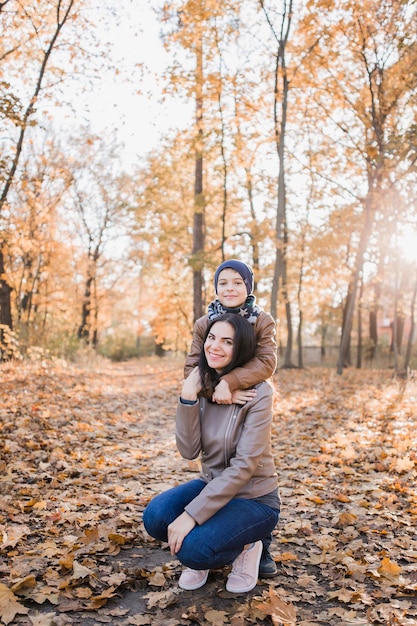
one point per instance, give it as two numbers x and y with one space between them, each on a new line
249 309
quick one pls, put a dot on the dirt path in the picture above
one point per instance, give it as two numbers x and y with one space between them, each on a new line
84 449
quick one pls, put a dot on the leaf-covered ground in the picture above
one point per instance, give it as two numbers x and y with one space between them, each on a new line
83 449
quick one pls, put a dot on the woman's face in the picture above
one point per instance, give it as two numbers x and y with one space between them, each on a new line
219 345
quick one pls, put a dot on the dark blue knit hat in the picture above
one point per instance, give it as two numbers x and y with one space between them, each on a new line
244 270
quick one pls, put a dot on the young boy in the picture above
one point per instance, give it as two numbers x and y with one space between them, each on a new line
233 285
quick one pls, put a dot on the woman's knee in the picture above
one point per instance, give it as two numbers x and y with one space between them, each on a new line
147 519
195 553
153 521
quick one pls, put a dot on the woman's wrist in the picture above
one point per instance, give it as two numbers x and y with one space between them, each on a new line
187 401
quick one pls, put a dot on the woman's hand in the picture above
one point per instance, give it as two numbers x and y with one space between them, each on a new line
241 396
192 386
177 530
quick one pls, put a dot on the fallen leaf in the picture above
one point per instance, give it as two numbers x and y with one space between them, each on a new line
80 571
389 569
405 464
286 556
157 579
347 519
101 444
11 535
140 620
161 599
344 595
44 619
9 606
21 586
282 613
217 618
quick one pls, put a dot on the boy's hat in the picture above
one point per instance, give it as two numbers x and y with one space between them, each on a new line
244 270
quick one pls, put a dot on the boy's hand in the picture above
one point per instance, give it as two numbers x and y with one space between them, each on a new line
241 396
191 386
222 393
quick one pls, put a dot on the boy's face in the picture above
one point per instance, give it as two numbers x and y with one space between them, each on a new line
231 290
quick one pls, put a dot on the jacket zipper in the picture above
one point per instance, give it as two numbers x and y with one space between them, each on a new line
227 434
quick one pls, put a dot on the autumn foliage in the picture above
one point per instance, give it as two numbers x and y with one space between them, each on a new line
84 448
297 154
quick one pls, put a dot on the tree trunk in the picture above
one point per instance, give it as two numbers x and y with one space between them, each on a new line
373 333
84 328
5 290
359 347
347 357
94 333
225 170
323 333
5 310
279 283
407 357
198 222
300 340
373 312
397 333
354 284
299 303
253 237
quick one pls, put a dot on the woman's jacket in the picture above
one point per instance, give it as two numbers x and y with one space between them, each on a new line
234 444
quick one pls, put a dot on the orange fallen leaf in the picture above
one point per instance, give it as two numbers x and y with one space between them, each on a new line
97 602
9 606
23 584
118 539
67 561
161 599
80 571
217 618
405 464
286 556
83 592
341 497
282 613
349 453
343 595
317 499
11 535
90 536
347 519
389 569
157 579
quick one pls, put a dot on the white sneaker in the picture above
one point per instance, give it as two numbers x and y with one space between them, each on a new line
245 569
191 579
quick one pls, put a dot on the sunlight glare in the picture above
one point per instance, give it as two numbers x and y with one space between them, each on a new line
407 245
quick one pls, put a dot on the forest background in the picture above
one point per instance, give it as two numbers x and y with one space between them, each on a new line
291 145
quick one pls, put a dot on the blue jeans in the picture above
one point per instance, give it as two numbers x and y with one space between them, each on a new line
219 540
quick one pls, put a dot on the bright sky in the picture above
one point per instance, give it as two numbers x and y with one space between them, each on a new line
132 105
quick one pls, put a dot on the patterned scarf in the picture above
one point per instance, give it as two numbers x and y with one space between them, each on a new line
249 309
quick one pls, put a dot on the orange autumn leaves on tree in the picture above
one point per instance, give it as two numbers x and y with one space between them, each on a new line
348 142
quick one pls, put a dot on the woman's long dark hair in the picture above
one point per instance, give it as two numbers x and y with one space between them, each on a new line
244 348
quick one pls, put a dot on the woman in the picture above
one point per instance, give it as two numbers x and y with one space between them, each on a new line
234 283
221 517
